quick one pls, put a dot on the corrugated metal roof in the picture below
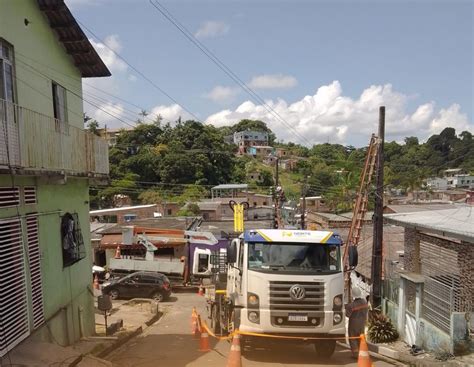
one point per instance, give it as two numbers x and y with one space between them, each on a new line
457 223
343 217
209 205
120 209
230 186
410 208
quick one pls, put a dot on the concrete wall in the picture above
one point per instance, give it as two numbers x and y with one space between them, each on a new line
432 338
37 45
65 290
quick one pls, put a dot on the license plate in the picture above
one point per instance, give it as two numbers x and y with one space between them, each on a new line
297 317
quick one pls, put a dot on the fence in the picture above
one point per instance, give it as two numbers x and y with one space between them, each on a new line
32 140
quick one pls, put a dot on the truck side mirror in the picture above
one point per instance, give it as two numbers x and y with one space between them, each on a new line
353 256
232 253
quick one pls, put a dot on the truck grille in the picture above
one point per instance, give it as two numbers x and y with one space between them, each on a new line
280 298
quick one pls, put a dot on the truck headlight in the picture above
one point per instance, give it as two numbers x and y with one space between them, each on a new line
254 317
253 301
337 318
337 302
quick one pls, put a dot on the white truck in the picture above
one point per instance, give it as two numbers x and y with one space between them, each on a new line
281 282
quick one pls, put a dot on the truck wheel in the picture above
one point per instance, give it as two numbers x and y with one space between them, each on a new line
215 324
325 348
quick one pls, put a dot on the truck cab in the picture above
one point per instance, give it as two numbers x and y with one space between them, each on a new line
287 282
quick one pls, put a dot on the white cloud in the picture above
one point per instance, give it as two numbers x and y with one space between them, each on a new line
328 114
450 117
170 113
108 114
273 81
212 28
222 94
112 42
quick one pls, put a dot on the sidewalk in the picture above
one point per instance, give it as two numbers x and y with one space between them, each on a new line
400 351
137 315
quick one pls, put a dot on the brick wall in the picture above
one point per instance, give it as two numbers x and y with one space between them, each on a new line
466 267
463 256
409 256
140 213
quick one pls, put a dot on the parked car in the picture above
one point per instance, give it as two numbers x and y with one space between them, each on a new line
139 285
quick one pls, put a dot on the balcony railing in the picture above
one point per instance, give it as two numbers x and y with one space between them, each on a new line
32 141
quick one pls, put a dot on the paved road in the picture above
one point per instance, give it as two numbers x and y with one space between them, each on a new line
168 343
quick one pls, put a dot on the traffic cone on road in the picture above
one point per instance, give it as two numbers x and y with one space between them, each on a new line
201 290
235 354
364 356
117 253
204 341
194 323
96 282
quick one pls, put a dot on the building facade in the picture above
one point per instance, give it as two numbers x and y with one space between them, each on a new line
431 299
47 162
246 139
260 151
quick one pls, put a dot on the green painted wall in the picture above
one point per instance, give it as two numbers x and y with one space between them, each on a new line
66 288
38 46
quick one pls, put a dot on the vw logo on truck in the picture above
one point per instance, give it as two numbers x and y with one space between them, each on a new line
297 292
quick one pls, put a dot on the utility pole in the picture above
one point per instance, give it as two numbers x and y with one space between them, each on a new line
277 183
376 273
275 195
303 204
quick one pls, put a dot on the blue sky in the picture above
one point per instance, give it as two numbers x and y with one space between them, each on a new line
324 66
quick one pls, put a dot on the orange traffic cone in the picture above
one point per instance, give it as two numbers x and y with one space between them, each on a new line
204 341
117 253
201 290
194 323
364 356
96 282
235 355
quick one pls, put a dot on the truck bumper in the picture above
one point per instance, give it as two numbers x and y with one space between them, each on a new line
268 324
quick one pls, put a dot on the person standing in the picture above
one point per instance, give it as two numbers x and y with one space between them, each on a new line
357 312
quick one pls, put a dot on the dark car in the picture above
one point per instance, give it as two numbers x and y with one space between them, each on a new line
139 285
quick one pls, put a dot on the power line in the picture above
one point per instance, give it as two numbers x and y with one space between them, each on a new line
80 97
162 9
77 94
139 72
89 85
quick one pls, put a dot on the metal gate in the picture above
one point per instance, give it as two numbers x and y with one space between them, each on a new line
440 300
14 325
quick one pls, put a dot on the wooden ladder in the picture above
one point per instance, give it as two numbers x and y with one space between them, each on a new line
362 199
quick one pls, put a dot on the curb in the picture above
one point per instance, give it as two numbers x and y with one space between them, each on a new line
409 359
106 351
376 354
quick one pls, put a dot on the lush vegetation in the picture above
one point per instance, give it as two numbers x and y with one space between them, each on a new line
180 162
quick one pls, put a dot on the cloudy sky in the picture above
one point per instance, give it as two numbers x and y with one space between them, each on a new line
315 71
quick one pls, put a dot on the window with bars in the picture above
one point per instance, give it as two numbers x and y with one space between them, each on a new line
71 238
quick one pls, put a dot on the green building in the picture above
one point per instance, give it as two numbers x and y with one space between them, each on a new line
47 162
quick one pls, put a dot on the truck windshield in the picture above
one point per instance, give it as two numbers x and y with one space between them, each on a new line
294 257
